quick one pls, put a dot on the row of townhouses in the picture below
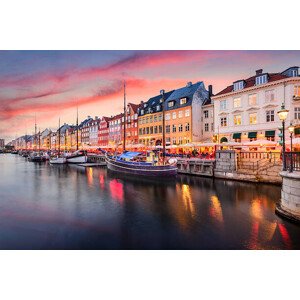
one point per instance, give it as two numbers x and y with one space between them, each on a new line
245 111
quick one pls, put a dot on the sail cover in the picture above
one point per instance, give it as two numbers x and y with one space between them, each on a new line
129 155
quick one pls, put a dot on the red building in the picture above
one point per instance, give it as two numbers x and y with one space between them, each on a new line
131 124
103 132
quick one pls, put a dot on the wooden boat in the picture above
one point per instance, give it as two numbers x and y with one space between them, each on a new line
125 163
36 157
78 157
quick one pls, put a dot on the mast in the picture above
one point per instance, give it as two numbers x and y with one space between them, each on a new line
59 136
162 92
39 140
124 137
35 133
77 130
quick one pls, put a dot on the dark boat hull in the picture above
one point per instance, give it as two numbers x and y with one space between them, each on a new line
141 170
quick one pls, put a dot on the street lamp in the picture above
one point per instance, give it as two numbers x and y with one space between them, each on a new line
282 114
291 129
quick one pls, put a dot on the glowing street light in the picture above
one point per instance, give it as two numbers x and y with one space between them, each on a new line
282 114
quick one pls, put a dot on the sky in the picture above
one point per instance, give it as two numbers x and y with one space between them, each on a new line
52 84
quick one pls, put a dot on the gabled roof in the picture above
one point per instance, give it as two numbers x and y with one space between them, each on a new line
250 82
187 91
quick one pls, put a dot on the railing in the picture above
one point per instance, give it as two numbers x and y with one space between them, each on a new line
292 160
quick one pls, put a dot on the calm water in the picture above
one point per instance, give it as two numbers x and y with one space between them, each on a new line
70 207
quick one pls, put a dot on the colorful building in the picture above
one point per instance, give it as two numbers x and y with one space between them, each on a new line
246 111
103 132
94 130
115 137
132 124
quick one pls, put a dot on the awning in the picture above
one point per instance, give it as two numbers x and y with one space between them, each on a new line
270 133
252 135
129 155
297 130
237 135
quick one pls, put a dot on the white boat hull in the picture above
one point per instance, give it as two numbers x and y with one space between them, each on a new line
58 160
77 159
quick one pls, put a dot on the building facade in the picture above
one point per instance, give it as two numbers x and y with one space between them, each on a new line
2 143
94 130
103 132
132 124
115 130
247 110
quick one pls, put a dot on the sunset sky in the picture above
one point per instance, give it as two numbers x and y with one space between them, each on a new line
51 84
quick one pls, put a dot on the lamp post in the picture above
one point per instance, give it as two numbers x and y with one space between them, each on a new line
291 130
282 114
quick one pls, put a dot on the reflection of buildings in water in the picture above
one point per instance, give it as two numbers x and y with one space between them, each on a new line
89 176
256 209
253 242
216 209
101 181
285 236
187 199
116 190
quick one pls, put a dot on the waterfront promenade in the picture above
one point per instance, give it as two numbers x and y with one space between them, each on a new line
72 207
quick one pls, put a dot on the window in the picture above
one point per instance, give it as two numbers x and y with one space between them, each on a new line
223 104
261 79
168 129
180 113
160 129
297 91
174 128
252 99
151 130
270 115
297 113
157 107
174 115
187 112
205 114
294 73
237 102
238 85
183 101
180 140
253 118
147 120
155 129
155 118
187 127
180 128
170 103
174 140
237 120
160 117
168 116
223 121
151 119
269 96
206 127
212 126
270 138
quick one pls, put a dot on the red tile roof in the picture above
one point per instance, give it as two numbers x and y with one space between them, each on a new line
250 82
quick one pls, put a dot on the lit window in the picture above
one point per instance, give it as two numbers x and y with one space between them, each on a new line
252 99
253 118
206 127
187 113
174 115
270 115
183 101
237 120
223 104
269 96
205 114
180 114
261 79
237 102
223 121
297 91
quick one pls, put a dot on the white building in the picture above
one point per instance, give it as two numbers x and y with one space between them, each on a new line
247 110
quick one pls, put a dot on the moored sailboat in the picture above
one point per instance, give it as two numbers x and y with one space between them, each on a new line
58 159
135 163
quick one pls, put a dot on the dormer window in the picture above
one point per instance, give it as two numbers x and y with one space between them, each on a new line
145 105
239 85
142 111
294 73
183 101
157 107
261 79
171 103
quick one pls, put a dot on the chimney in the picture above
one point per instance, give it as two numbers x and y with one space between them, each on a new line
189 84
258 72
210 93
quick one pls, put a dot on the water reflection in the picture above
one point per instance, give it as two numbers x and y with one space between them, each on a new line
70 207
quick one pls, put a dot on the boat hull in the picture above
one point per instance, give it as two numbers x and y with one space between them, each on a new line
141 169
58 160
37 159
78 159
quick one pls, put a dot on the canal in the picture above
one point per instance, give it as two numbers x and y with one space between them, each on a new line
71 207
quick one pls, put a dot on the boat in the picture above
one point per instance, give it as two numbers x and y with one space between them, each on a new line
36 157
58 159
78 157
135 163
